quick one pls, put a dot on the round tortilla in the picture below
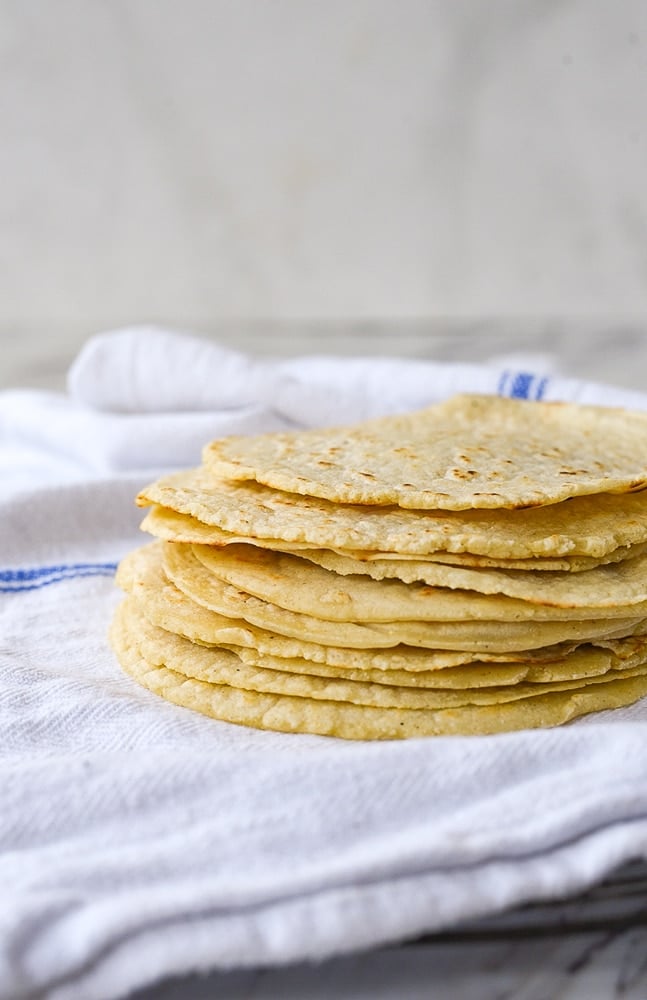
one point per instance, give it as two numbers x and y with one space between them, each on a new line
223 666
584 526
476 567
172 526
287 713
298 585
141 575
612 585
467 452
203 587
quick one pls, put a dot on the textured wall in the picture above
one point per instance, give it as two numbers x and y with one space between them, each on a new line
189 160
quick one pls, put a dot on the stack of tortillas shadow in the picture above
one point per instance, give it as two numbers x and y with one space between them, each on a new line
476 567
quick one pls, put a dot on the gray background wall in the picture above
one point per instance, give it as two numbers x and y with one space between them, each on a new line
207 163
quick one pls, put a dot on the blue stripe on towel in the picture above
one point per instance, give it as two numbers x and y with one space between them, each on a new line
521 385
12 580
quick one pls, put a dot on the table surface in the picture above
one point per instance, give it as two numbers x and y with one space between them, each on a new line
592 946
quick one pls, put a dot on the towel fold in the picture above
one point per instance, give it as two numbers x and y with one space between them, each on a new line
146 370
146 400
139 840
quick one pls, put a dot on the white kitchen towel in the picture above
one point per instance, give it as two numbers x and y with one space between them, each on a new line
146 400
139 840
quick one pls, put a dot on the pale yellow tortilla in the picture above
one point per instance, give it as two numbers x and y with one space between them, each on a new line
141 575
468 452
222 666
305 588
584 526
202 586
612 585
353 582
286 713
170 525
586 661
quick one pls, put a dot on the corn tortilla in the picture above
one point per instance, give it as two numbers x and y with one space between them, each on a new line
616 584
203 587
303 587
222 666
140 574
290 714
170 525
584 526
468 452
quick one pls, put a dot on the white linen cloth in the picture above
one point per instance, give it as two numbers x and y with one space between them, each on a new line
147 399
139 840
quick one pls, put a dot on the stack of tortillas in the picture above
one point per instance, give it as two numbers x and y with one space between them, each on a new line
476 567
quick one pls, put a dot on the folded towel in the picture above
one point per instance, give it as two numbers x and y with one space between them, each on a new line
145 370
145 400
139 840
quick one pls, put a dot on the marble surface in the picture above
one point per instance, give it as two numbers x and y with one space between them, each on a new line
209 159
589 967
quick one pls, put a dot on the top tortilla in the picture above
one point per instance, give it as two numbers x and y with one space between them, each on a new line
468 452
